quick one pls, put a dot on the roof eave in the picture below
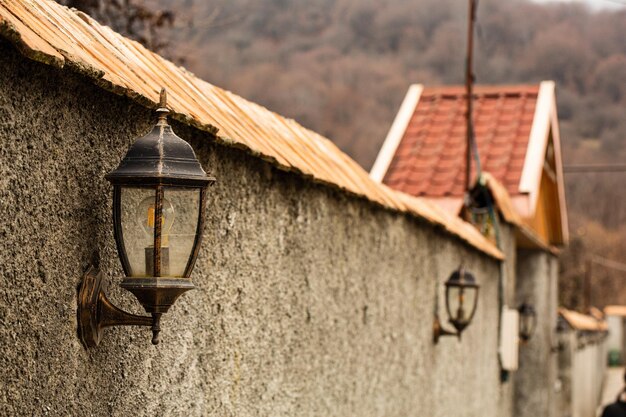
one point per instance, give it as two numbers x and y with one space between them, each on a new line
396 133
545 121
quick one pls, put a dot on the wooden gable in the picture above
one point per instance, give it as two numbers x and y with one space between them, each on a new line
546 221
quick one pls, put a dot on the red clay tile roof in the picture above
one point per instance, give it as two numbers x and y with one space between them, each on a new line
430 159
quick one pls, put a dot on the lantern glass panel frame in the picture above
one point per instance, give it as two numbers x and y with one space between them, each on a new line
144 256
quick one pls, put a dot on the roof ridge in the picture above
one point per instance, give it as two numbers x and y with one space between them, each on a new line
481 90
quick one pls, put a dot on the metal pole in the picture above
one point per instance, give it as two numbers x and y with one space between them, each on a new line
469 87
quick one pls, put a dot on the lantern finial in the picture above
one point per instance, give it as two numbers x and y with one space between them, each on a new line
163 98
162 110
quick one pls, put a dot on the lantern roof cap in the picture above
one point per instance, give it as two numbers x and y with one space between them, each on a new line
160 157
526 308
461 278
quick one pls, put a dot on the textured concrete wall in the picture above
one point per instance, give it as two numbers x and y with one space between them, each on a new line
537 277
588 369
309 302
568 345
582 368
507 269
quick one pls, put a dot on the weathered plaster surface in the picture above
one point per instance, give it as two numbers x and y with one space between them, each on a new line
309 302
582 367
536 379
509 276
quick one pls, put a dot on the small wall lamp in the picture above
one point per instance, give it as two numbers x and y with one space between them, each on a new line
461 302
527 321
562 335
159 197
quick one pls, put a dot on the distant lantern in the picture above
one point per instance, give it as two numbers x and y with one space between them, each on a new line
562 335
461 298
527 321
461 302
159 195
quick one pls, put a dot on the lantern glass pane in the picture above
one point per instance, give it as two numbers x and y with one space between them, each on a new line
525 326
179 233
469 301
460 302
137 213
452 301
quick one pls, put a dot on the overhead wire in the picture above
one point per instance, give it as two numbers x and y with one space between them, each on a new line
609 263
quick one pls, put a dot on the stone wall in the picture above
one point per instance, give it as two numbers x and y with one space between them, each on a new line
310 302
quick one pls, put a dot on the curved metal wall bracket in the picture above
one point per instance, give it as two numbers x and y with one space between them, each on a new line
95 312
439 331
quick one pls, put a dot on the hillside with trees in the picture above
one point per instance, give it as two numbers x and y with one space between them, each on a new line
342 67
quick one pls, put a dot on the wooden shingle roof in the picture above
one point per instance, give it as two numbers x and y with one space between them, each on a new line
615 310
583 322
56 35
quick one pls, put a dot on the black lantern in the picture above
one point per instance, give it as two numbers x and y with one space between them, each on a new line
461 302
527 321
562 332
159 196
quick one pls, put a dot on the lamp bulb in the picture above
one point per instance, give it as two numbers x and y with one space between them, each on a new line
146 218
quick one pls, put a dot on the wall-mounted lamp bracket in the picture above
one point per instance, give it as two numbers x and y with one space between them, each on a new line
95 312
439 331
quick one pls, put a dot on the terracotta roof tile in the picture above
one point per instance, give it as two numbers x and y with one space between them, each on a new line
503 117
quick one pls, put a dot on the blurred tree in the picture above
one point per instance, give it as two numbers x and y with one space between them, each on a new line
609 78
560 53
135 19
